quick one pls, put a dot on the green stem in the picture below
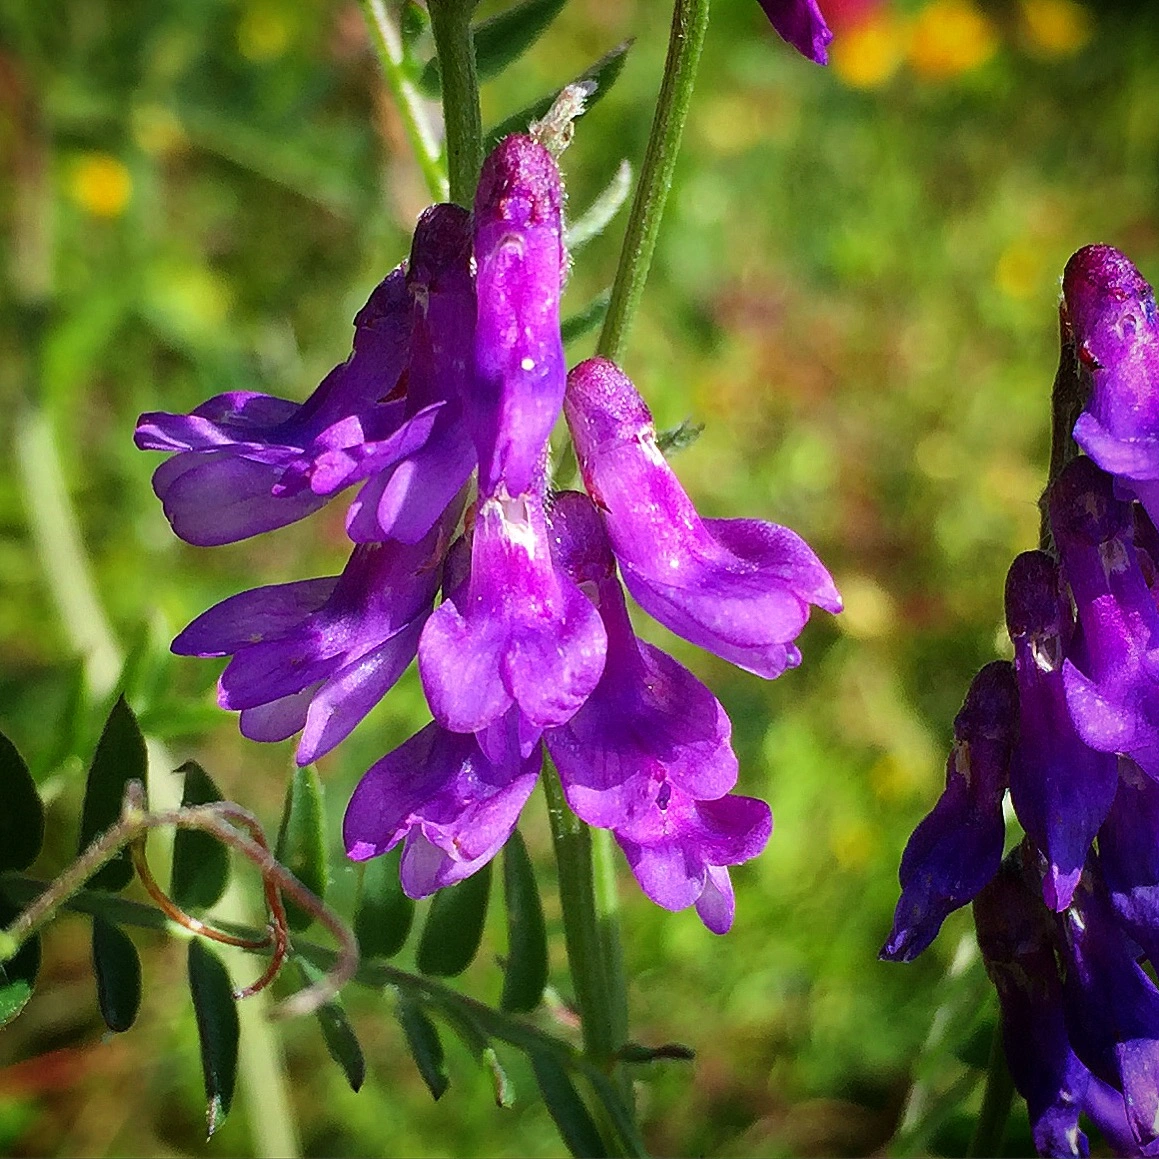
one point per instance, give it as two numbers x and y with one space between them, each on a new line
689 23
455 46
388 46
991 1125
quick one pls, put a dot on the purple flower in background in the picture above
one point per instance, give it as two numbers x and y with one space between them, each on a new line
234 451
957 848
318 655
801 24
1061 789
737 587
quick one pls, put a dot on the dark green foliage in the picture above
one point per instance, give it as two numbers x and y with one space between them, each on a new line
21 811
200 862
526 972
119 759
18 974
384 915
426 1048
117 967
454 927
217 1030
338 1033
576 1126
587 319
301 846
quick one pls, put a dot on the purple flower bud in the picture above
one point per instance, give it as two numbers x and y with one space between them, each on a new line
318 655
1061 789
453 806
737 587
957 848
800 23
1114 698
519 362
1115 326
234 451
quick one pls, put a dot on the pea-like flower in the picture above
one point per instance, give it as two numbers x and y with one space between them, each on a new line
801 24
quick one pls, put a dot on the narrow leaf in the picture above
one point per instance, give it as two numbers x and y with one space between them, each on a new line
454 927
591 316
217 1030
604 72
504 1091
475 1039
119 759
337 1032
18 974
637 1053
117 967
679 438
576 1127
526 973
200 862
301 846
500 40
384 915
599 214
413 22
422 1038
22 815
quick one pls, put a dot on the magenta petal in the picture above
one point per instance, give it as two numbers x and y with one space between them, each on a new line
278 719
224 420
800 23
716 906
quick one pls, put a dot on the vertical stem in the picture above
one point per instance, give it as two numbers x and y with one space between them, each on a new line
455 46
689 24
388 46
991 1125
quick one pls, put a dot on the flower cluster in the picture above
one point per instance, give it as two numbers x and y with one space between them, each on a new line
1071 728
458 370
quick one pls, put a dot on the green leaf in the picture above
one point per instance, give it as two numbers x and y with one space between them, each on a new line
217 1030
475 1039
384 915
576 1127
200 862
426 1048
413 22
678 438
119 759
454 927
591 316
604 72
526 973
301 846
118 972
337 1032
18 974
635 1052
22 814
597 217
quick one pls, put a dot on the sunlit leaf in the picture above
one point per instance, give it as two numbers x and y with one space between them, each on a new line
454 927
526 972
384 915
576 1127
217 1030
301 846
426 1048
119 759
200 862
117 967
21 811
604 72
337 1032
18 974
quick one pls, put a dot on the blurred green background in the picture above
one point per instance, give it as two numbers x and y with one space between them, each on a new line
855 291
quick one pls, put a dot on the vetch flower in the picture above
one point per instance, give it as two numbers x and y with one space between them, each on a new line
957 848
738 587
801 24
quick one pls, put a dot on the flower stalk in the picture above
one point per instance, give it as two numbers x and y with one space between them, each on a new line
455 47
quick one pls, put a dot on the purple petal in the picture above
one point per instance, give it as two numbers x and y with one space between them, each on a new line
278 719
716 906
225 419
801 24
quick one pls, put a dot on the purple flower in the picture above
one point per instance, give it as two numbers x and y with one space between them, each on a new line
317 655
520 372
1114 325
451 804
957 848
737 587
234 451
1061 789
800 23
1114 696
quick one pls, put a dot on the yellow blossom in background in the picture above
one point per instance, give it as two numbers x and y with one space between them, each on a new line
100 185
157 130
868 53
1020 270
951 37
1056 27
263 33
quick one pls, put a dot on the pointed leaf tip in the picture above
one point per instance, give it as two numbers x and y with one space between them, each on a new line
301 845
426 1048
22 817
117 967
217 1030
